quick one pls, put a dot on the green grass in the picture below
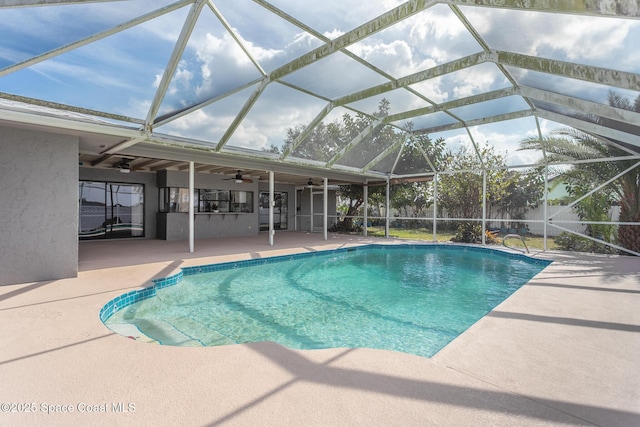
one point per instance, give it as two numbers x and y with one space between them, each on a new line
533 242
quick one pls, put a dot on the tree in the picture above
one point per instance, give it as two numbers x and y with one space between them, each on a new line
325 141
460 193
524 191
567 145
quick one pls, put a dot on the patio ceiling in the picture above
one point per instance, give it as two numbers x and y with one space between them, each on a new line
219 82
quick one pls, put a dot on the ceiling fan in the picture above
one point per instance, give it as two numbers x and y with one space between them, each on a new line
238 179
123 165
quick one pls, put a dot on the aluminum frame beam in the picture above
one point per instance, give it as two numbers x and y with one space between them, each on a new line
174 59
618 8
235 37
181 153
590 127
383 21
70 124
587 107
476 122
8 4
317 119
69 108
437 71
243 113
589 73
355 141
87 40
482 97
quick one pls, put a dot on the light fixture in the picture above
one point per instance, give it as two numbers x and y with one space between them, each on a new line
239 179
123 165
310 183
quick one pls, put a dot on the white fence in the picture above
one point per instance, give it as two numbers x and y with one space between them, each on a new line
567 218
534 220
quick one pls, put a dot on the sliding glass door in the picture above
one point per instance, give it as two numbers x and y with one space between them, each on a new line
280 210
110 210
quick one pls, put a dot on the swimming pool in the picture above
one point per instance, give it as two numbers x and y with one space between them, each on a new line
409 298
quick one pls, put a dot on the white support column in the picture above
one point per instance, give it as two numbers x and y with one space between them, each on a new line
311 209
295 203
365 218
484 206
191 206
545 208
435 207
325 208
271 206
386 210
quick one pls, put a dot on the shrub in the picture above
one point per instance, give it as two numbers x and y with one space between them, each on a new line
571 242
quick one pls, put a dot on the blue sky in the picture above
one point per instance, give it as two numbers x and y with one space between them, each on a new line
121 73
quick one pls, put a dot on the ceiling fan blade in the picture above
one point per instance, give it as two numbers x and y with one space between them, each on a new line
247 180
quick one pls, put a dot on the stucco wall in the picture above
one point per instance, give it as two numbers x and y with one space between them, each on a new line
38 206
175 226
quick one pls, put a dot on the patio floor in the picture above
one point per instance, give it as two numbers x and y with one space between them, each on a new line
562 350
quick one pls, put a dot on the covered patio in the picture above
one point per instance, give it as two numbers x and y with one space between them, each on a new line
562 350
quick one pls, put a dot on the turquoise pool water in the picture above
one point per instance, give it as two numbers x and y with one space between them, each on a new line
413 299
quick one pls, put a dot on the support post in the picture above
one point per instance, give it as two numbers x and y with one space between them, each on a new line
271 206
386 210
484 206
435 207
295 216
311 209
545 209
191 206
365 217
325 208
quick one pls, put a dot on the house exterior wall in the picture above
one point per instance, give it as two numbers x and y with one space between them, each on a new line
175 225
38 206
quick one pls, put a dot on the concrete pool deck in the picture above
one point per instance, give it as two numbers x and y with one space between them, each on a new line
562 350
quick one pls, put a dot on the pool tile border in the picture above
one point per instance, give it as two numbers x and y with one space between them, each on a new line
131 297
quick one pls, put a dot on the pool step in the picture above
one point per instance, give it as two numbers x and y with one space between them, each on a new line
204 334
178 331
165 332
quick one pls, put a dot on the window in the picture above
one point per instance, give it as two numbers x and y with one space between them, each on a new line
241 201
213 201
174 199
208 200
110 210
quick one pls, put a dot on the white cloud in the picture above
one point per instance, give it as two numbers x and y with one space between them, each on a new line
507 142
434 89
136 108
333 34
198 125
434 25
181 80
396 55
581 37
471 81
221 59
584 39
302 41
250 135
